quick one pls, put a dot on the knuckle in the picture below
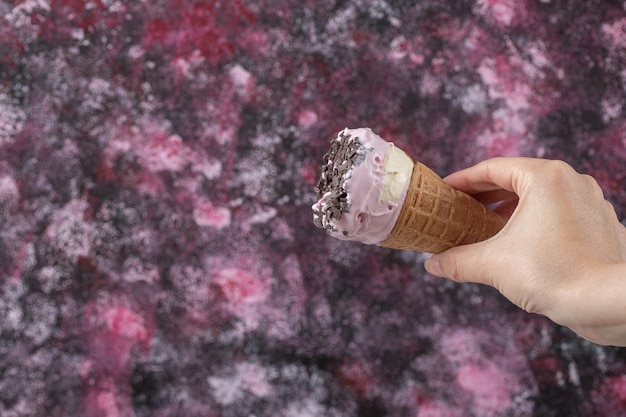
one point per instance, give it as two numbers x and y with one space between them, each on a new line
592 186
561 175
610 209
545 172
528 305
559 169
532 298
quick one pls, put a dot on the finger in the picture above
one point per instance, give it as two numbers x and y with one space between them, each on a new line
460 264
492 174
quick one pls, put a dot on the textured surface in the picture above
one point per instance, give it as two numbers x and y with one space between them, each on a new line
158 159
436 217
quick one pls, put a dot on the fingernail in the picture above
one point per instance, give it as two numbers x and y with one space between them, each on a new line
432 267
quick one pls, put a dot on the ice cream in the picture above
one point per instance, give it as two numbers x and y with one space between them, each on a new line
362 188
371 191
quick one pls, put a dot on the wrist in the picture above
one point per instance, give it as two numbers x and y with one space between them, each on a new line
598 305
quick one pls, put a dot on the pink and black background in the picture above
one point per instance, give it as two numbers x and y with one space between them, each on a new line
158 157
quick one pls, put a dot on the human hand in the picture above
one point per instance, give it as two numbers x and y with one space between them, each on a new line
562 252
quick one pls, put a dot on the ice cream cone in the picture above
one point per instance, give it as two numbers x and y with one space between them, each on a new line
372 192
436 217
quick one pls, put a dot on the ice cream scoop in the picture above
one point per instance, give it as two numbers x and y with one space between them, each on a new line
363 184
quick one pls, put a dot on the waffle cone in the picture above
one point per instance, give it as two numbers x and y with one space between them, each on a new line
436 217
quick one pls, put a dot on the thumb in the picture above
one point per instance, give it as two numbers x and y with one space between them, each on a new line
462 264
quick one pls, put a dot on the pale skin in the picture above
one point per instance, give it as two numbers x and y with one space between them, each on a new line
561 254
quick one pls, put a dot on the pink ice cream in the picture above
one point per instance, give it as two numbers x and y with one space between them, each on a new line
362 188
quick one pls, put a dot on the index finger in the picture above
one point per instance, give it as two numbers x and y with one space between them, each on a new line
491 175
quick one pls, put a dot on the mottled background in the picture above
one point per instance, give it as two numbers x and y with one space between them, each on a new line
158 158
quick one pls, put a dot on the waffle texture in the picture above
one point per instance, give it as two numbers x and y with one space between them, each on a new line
436 217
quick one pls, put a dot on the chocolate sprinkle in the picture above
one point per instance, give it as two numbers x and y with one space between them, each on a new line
345 152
